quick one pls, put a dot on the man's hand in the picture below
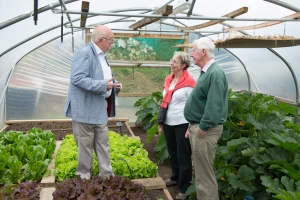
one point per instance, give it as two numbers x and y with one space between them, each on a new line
203 133
110 84
187 133
119 87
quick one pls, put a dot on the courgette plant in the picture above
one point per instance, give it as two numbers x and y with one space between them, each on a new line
258 153
146 118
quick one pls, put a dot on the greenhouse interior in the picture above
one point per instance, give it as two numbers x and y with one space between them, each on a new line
257 45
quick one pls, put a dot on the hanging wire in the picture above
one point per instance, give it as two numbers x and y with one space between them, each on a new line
254 28
62 24
284 28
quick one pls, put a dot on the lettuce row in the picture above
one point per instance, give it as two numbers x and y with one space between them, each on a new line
128 158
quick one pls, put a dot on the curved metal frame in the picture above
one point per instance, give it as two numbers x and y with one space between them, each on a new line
247 73
48 7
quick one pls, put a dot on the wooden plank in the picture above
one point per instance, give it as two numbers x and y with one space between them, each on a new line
113 119
135 35
46 193
136 66
118 119
87 36
139 62
133 94
130 131
186 41
164 11
213 22
49 181
4 128
257 43
262 25
151 183
167 193
9 122
84 8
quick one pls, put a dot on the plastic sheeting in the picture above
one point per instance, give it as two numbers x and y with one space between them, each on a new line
34 61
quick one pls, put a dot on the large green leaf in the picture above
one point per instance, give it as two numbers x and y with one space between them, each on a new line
273 155
233 144
151 132
161 149
251 119
272 185
287 169
243 179
284 141
288 190
271 121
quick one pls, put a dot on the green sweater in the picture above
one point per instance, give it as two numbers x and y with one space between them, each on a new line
207 105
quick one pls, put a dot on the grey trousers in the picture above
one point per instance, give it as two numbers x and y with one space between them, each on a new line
89 137
203 154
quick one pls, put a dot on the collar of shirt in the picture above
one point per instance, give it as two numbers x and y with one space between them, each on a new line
205 68
105 67
98 50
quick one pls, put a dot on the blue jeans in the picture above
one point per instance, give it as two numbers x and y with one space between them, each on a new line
180 152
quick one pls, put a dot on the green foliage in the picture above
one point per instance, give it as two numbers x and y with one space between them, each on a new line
159 74
161 149
127 155
25 190
146 117
25 156
288 189
148 110
256 142
259 140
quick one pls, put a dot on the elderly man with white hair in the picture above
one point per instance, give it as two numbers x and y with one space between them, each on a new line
206 112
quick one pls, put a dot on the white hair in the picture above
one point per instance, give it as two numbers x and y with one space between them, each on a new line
207 44
97 33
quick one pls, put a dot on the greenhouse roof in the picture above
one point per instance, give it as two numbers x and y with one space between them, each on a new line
35 39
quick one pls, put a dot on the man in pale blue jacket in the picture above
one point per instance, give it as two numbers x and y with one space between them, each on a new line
91 91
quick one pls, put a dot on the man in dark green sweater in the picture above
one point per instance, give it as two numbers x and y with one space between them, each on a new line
206 111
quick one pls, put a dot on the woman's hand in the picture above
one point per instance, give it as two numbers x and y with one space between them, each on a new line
160 128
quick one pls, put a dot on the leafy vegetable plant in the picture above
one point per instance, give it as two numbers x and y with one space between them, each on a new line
25 190
128 158
116 187
256 143
25 156
259 146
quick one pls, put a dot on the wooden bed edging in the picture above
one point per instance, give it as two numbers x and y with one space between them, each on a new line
111 119
48 182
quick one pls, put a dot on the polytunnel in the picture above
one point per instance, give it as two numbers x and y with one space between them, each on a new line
39 38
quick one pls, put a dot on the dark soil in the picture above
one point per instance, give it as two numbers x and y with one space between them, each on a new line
164 169
60 129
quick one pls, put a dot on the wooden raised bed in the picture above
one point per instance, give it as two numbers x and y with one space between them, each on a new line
62 127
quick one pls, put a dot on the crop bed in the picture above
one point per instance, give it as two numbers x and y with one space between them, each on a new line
155 187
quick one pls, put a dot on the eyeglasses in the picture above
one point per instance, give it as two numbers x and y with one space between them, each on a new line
110 39
174 61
